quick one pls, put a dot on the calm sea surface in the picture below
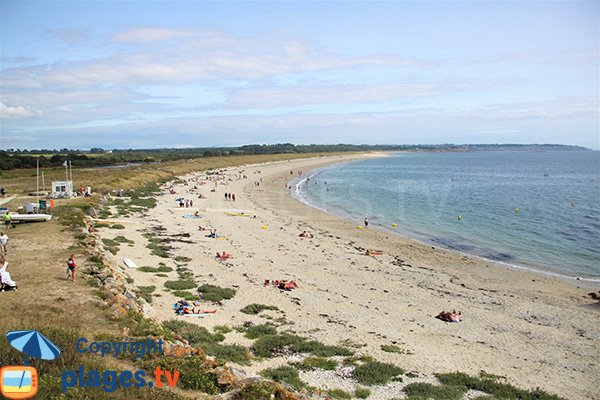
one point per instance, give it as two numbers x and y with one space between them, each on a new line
529 209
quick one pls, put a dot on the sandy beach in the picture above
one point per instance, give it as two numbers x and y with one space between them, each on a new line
534 330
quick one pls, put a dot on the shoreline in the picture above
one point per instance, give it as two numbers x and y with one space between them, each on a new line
587 282
346 296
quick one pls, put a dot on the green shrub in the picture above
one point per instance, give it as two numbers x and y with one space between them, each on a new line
215 293
180 285
254 309
117 226
339 394
123 239
183 294
192 374
110 242
182 259
101 225
376 373
222 329
185 273
199 336
163 268
147 289
390 348
270 345
362 393
426 391
320 363
257 391
257 331
284 374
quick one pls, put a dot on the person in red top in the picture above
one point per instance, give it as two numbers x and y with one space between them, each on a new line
71 266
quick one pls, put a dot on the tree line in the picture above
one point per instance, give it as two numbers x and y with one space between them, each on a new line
98 157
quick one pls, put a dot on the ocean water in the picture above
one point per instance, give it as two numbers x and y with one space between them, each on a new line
536 210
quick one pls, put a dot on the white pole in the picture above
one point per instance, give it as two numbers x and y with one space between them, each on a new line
37 181
67 177
43 184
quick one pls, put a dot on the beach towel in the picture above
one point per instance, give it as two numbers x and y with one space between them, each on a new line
192 216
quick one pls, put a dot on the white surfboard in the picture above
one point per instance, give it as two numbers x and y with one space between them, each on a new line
129 263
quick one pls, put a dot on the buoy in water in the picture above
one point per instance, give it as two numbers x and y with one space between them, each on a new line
459 217
516 210
394 225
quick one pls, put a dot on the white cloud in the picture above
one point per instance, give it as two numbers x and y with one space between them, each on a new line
17 112
150 35
284 96
194 57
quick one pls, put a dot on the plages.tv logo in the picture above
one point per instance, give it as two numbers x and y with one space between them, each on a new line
21 381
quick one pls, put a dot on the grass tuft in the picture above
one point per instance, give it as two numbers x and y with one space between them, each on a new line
180 285
319 363
254 309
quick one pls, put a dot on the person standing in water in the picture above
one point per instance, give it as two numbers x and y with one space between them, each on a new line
366 222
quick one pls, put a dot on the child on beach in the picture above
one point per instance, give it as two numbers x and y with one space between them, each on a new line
71 267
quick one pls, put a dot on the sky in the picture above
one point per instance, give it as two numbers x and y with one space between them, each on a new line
148 74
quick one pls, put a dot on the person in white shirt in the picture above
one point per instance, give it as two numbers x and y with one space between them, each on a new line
3 242
5 275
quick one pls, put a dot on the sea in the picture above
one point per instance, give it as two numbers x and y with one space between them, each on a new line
530 210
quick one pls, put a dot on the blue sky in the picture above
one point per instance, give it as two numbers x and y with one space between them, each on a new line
131 74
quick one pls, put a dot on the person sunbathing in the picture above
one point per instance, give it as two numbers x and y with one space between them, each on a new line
450 316
194 310
213 234
306 234
196 214
201 228
286 285
224 255
373 253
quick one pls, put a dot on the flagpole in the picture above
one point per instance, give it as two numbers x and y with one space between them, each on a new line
37 181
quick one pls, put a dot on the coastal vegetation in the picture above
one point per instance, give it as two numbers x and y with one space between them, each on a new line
17 158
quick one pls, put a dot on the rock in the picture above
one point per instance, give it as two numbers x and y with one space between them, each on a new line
129 294
147 310
225 377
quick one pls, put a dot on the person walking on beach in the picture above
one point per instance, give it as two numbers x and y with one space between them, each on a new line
233 197
366 222
3 242
8 220
71 267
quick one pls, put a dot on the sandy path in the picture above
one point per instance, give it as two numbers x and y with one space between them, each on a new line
534 330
